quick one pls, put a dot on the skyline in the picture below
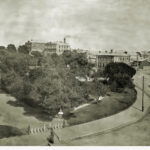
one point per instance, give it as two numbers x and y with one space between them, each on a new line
91 24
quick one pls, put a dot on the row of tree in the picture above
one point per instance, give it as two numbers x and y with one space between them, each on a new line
12 48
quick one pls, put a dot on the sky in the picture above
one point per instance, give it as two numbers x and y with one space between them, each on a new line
91 24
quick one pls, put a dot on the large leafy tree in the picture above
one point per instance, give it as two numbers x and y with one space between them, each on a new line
16 62
50 87
119 74
78 63
2 47
36 54
11 48
23 49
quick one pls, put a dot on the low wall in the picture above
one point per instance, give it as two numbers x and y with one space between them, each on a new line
45 128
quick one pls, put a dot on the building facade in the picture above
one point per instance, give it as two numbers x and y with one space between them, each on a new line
91 57
105 58
48 48
35 46
56 47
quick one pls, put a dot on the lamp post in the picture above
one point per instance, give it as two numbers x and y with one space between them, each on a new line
137 63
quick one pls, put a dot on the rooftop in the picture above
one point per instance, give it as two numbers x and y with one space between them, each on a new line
111 54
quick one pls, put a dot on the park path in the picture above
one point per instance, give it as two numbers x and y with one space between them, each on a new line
124 118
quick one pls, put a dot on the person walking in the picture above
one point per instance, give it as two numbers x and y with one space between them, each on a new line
51 137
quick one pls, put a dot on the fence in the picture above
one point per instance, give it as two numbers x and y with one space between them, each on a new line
45 128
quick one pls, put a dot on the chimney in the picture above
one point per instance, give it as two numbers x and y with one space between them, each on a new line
64 40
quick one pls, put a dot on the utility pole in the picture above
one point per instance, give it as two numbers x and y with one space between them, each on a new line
143 94
137 62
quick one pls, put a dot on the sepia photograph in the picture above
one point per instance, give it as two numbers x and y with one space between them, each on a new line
74 73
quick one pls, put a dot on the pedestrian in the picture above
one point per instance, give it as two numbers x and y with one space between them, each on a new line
51 137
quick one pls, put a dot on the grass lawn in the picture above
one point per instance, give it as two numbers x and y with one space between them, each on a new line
110 105
15 116
8 131
26 140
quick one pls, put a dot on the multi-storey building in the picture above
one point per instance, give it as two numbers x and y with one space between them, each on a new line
102 59
144 54
91 56
35 46
56 47
48 48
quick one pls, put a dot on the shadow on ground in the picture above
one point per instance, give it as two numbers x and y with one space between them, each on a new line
9 131
30 111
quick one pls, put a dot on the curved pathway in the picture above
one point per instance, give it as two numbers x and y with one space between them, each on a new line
124 118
